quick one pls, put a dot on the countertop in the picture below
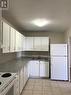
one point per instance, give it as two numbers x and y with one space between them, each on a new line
13 65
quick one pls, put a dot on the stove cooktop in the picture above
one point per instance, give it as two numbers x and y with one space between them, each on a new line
5 79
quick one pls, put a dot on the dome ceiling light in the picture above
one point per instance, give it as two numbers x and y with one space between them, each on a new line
40 22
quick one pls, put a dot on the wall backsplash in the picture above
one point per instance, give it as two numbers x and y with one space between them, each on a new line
35 53
6 57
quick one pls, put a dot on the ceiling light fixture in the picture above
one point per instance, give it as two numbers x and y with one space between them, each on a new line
40 22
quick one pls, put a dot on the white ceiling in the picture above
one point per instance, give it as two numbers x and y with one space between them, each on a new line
57 11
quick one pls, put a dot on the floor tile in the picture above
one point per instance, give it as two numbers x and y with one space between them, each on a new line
47 87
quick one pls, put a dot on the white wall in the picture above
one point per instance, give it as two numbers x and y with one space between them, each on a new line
67 34
68 40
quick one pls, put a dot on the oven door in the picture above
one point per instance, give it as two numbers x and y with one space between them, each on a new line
9 90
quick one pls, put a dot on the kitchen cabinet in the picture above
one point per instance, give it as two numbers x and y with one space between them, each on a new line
37 68
21 79
20 42
0 34
0 28
23 42
45 43
25 73
28 43
33 68
37 44
6 39
12 39
44 69
16 85
41 43
17 41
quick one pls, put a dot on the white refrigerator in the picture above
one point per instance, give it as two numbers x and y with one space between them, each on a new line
59 67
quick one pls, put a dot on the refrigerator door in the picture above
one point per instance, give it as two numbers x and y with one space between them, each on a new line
59 68
58 49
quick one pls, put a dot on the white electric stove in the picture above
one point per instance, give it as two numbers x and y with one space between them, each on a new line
5 79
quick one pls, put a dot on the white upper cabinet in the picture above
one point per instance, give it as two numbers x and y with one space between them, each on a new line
23 42
0 34
0 28
45 43
20 42
12 39
41 43
37 43
28 43
6 39
17 41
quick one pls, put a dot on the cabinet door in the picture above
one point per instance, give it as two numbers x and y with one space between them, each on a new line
17 41
6 30
33 68
21 79
44 69
23 43
0 33
0 28
12 39
37 43
25 74
20 42
16 86
29 43
45 43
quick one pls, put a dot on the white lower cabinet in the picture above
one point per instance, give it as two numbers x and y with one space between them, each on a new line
21 79
33 68
25 74
38 68
16 86
44 69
